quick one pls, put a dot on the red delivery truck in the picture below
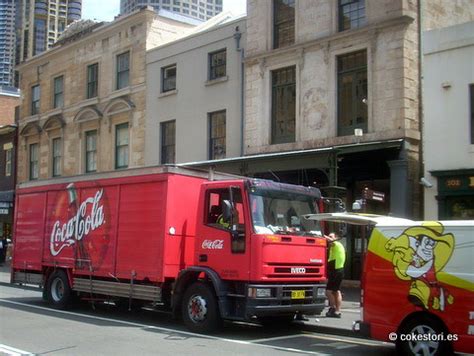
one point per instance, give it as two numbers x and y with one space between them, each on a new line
417 283
207 247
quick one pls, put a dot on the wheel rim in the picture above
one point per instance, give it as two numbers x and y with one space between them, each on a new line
197 309
423 347
57 289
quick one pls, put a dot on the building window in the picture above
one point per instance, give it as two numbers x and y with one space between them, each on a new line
283 23
56 157
34 161
91 151
217 143
123 70
35 99
217 64
351 14
92 80
168 75
8 162
283 105
58 98
168 139
471 89
352 92
121 146
39 35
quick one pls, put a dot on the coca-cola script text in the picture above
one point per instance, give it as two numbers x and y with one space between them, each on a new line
79 225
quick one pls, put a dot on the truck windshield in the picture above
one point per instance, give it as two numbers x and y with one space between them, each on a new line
281 212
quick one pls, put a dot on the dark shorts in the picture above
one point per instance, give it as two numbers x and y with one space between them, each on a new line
334 279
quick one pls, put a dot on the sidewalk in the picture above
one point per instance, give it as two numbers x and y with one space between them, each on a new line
343 326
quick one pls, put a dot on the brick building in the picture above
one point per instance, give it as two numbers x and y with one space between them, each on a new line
9 102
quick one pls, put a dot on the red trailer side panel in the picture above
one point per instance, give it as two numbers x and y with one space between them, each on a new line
141 223
29 228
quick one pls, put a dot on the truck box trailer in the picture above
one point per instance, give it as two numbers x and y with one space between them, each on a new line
207 247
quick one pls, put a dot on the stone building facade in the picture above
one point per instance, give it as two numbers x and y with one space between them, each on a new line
356 114
83 102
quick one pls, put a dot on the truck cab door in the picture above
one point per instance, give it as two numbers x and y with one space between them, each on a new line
222 233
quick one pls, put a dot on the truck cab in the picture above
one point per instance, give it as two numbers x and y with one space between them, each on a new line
267 262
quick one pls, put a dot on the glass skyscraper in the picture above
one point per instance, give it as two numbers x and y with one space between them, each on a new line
197 9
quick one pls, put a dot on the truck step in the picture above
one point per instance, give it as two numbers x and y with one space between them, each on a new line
117 289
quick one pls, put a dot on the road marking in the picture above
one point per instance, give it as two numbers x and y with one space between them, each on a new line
348 340
11 351
277 338
242 342
336 345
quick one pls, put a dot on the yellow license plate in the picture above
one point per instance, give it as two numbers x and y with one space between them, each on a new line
297 294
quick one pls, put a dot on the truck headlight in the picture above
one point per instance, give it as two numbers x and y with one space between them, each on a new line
260 292
321 292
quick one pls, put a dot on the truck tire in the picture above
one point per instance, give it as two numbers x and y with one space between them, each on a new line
423 325
199 309
58 291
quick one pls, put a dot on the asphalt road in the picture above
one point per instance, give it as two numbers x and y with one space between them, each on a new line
29 326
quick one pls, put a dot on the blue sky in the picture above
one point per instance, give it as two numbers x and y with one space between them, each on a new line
105 10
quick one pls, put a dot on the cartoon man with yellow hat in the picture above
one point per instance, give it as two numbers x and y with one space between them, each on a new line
419 254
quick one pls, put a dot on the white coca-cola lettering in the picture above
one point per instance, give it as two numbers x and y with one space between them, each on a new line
213 245
78 226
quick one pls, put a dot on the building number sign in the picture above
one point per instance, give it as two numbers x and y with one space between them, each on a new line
458 183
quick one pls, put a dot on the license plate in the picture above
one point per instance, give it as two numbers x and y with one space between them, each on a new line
297 294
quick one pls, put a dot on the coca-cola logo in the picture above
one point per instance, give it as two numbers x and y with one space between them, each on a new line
213 245
79 226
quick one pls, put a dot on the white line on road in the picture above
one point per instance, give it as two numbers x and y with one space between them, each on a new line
277 338
336 345
349 340
11 351
242 342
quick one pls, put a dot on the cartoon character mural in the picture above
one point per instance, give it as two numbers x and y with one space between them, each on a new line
419 254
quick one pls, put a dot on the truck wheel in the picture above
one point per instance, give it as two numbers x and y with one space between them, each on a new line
423 326
58 291
199 309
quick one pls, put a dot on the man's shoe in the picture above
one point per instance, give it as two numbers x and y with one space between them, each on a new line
330 312
334 315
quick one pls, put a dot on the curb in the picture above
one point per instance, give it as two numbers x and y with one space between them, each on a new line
332 331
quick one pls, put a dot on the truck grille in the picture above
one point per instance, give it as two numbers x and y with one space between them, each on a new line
279 270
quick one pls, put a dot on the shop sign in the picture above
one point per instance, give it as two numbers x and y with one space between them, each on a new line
373 195
458 183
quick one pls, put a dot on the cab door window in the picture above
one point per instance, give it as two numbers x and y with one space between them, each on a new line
215 218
